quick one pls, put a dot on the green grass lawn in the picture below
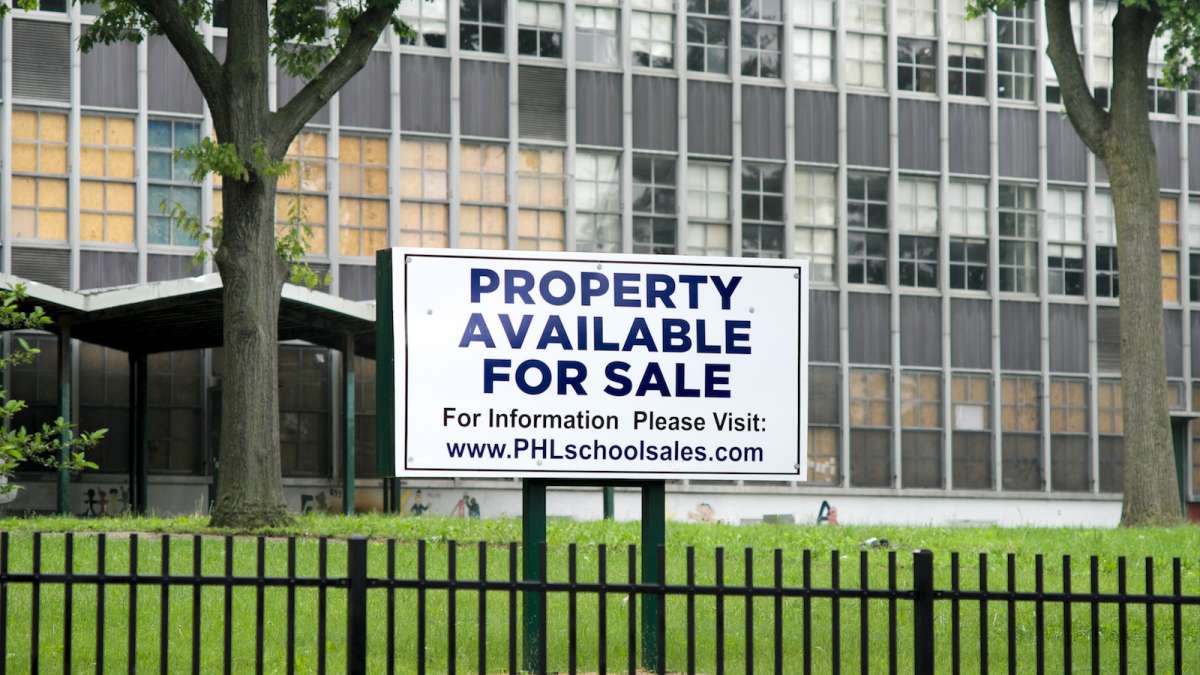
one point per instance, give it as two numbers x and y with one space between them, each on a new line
1135 545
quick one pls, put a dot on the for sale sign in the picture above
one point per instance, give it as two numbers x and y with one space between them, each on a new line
514 364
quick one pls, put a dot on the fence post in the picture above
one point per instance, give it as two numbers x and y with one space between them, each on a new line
356 606
923 646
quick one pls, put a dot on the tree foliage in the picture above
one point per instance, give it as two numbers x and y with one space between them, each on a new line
40 447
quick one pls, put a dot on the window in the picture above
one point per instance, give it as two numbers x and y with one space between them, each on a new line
104 403
364 418
916 65
652 33
483 188
916 213
868 15
921 423
424 213
301 194
812 55
959 26
39 183
1020 421
304 410
36 383
1104 233
1168 227
1111 427
1070 460
1018 238
106 206
596 35
1103 14
1015 57
966 208
481 25
708 36
865 60
813 12
363 204
170 180
1193 93
708 209
824 419
971 450
816 221
539 28
866 210
597 202
427 19
762 210
916 17
1162 94
762 37
653 204
173 416
1064 231
966 67
870 421
540 191
1053 95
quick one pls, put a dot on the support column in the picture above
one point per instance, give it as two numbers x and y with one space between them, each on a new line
138 455
609 502
533 538
654 536
64 411
348 426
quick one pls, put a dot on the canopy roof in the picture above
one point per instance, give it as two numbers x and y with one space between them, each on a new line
186 313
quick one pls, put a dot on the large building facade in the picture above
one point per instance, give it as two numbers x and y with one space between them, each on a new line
964 333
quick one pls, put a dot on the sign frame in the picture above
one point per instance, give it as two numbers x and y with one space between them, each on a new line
392 357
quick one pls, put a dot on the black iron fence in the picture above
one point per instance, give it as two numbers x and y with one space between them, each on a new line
210 603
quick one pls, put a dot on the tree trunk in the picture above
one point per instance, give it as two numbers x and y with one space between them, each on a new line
1151 493
250 493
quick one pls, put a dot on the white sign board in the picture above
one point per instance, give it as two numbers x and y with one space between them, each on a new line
575 365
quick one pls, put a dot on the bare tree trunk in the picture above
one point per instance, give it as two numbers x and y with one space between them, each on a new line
250 492
1151 494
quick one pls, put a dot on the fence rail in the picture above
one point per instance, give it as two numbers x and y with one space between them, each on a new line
52 607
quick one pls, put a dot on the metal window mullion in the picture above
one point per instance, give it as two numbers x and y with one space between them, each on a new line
789 133
944 248
510 55
6 109
890 80
73 155
735 166
141 165
626 166
681 131
842 248
333 201
994 255
1185 286
568 46
206 127
394 185
1039 97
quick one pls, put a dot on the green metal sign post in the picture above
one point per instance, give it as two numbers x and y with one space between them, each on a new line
533 538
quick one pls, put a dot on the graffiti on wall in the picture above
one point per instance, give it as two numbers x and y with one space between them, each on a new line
467 507
99 502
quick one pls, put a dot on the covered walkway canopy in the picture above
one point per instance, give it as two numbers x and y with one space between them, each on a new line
185 314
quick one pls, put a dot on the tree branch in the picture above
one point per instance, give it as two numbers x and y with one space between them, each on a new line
205 68
1087 116
364 33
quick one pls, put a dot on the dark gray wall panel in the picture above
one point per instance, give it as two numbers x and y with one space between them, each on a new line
970 333
867 126
44 265
764 136
969 139
597 108
710 117
1020 336
1101 172
356 282
1017 131
1173 341
816 126
823 326
105 269
430 110
41 60
167 267
870 325
484 98
1194 157
108 76
1108 340
1066 155
655 111
920 331
542 103
365 101
287 87
1166 142
170 87
1068 339
918 135
1195 344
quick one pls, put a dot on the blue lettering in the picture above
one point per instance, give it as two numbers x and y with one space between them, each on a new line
477 331
568 287
483 281
620 383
